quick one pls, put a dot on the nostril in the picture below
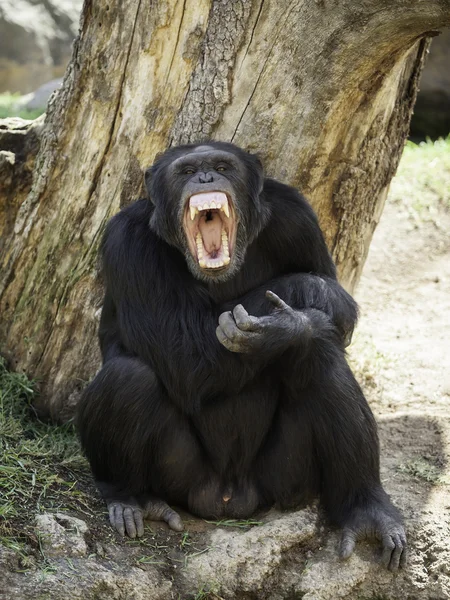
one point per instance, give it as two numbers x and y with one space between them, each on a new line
205 178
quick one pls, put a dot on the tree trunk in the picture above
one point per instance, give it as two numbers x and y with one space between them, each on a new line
322 90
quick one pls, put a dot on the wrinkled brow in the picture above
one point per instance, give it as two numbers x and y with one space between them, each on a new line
206 157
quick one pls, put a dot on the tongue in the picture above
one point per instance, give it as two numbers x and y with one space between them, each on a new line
211 232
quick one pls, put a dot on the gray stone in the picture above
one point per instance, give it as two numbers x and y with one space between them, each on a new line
35 41
288 557
38 99
61 535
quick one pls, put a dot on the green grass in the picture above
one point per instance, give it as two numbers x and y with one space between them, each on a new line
422 182
236 523
40 464
424 469
8 108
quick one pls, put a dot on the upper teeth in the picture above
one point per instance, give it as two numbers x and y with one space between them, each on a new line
223 206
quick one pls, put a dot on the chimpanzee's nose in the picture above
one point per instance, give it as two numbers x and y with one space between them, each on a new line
205 177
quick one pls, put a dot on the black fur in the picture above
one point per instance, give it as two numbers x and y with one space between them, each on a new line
175 414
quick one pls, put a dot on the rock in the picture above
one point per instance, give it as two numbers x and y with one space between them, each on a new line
61 535
252 562
80 579
432 109
38 99
35 41
19 145
290 555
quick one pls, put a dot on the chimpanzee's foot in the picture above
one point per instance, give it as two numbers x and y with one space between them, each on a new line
127 516
376 521
127 513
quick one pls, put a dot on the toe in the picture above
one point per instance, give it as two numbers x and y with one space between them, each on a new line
388 548
119 523
173 519
396 554
175 522
139 520
347 546
130 525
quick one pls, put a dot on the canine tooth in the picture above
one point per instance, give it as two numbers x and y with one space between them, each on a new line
226 260
194 211
226 209
202 263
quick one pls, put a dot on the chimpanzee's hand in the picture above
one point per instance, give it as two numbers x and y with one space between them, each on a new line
240 332
374 522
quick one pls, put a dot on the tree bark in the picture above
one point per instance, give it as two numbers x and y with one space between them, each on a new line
322 90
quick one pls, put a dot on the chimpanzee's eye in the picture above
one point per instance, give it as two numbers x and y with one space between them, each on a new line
189 171
221 168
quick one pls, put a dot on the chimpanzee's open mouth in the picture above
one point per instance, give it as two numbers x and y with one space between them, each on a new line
210 229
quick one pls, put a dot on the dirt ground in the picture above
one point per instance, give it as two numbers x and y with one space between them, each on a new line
401 356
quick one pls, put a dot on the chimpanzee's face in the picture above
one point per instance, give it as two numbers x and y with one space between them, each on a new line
211 190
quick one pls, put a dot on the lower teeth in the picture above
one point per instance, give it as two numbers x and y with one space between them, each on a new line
212 264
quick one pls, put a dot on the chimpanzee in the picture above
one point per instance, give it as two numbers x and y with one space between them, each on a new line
225 387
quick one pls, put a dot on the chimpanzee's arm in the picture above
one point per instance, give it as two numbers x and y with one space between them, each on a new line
305 291
295 246
110 343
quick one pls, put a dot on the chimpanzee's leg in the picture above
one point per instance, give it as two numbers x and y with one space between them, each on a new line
346 444
141 449
325 440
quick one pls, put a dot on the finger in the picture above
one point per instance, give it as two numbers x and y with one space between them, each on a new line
396 554
111 511
388 547
130 525
243 320
348 338
348 541
232 346
118 519
139 520
229 327
276 300
223 339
